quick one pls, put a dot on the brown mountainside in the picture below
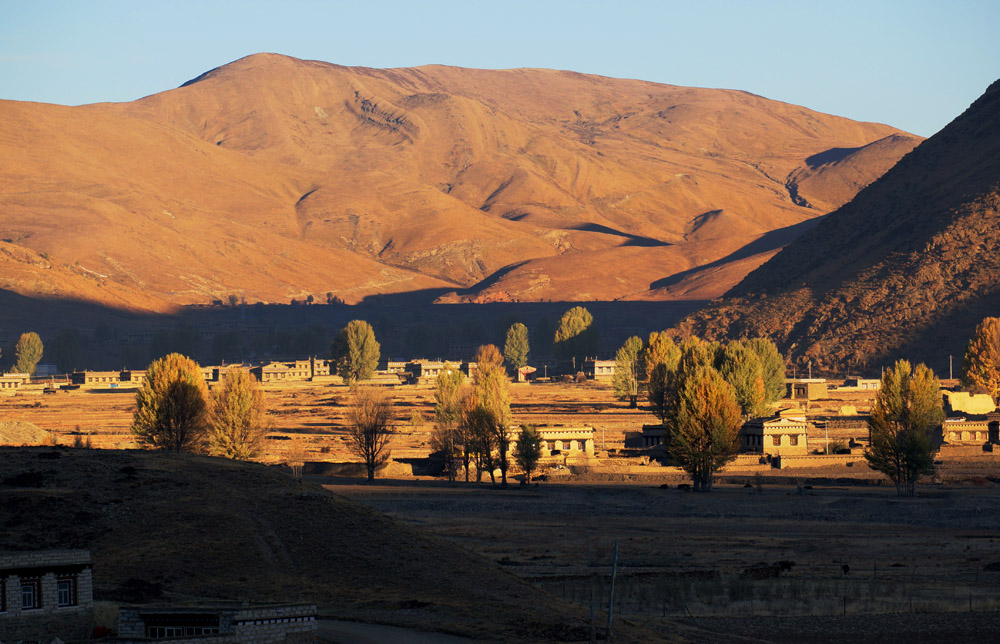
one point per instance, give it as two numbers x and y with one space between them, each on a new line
905 269
278 177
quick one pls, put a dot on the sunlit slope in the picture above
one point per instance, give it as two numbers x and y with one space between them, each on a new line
279 177
906 268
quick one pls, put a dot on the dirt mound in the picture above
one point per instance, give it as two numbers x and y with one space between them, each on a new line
15 432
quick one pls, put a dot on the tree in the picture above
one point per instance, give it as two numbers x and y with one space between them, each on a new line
706 429
479 423
370 427
981 364
660 359
741 368
447 418
576 336
528 450
27 353
907 409
65 351
356 351
492 392
772 365
171 405
628 366
515 349
238 421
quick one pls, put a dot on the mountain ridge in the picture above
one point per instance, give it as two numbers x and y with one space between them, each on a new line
282 178
906 269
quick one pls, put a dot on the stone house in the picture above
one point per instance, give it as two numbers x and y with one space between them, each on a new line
599 369
805 388
45 594
779 435
565 440
652 438
262 624
863 384
424 370
95 378
10 382
960 431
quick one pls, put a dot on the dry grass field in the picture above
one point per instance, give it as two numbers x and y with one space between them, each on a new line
683 557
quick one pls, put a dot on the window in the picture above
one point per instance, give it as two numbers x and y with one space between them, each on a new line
3 595
793 439
66 590
31 593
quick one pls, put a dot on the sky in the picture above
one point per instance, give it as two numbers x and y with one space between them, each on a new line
912 64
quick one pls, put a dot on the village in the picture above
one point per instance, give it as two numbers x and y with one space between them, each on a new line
819 429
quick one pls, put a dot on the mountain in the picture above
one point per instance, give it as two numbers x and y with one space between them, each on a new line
906 269
278 178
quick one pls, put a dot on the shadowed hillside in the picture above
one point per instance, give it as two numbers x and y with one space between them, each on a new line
280 178
175 528
908 268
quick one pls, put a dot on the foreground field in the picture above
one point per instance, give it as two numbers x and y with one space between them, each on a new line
855 558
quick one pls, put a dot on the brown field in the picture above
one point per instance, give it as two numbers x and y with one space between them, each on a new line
682 556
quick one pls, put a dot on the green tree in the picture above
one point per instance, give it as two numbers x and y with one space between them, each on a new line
446 437
528 450
515 349
576 336
492 392
238 421
981 364
741 368
370 426
356 351
660 359
907 409
27 353
171 405
772 365
65 350
628 371
705 432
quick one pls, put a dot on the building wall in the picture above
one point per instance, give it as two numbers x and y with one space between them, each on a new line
293 624
49 620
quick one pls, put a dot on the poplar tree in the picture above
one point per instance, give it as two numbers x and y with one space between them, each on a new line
705 432
981 364
528 450
28 353
741 368
516 348
356 351
492 392
907 410
661 358
238 422
370 426
628 365
576 336
447 437
171 408
772 365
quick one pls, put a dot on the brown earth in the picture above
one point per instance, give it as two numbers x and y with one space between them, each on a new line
906 269
278 178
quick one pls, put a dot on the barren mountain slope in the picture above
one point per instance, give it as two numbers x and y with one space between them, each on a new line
907 268
279 177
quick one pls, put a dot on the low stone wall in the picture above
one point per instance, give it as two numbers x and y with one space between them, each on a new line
818 460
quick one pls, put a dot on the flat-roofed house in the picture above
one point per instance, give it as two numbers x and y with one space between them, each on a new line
960 431
566 440
599 369
806 388
779 435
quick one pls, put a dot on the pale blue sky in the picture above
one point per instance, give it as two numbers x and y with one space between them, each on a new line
913 64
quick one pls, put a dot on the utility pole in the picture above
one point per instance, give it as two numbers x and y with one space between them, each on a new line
611 596
950 374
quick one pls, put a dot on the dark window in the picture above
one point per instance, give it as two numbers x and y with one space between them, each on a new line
66 590
31 593
793 439
3 595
